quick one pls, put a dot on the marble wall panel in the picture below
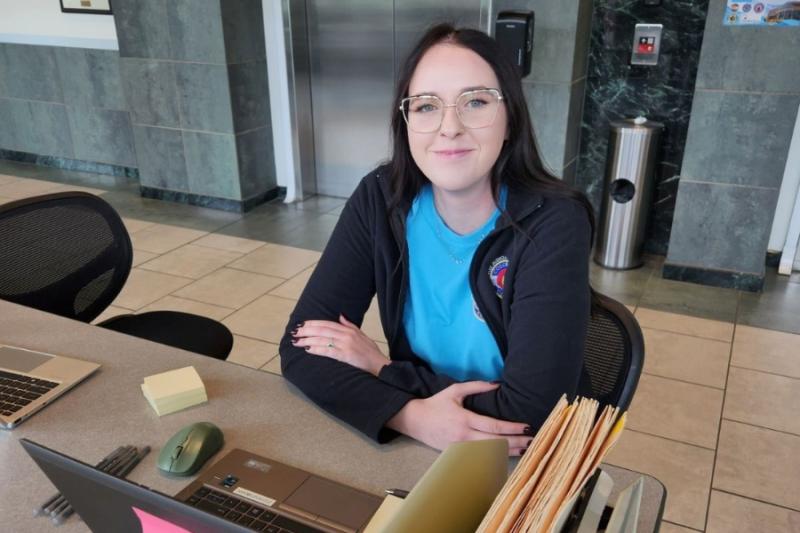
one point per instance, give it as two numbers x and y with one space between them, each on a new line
204 97
249 95
151 92
740 138
211 164
722 227
35 127
195 30
161 158
90 78
256 162
142 29
243 27
102 135
29 72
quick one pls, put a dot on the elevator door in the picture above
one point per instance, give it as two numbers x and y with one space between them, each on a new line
355 48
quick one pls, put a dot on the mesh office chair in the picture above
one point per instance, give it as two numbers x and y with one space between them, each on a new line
70 254
613 356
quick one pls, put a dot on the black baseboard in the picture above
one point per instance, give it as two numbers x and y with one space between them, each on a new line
223 204
773 259
743 281
70 164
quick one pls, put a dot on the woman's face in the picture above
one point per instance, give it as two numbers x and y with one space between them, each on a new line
455 158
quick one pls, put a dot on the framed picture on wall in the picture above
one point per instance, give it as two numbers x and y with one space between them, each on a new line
97 7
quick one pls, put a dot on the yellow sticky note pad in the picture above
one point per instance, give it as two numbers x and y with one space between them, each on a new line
172 391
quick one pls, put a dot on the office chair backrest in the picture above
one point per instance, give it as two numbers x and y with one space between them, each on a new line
613 356
65 253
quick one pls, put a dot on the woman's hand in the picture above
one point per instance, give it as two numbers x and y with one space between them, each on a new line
342 341
441 419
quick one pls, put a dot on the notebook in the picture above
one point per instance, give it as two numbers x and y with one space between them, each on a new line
29 380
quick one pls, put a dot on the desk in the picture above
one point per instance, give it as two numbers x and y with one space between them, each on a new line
256 411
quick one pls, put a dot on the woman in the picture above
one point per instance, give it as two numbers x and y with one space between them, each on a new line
478 256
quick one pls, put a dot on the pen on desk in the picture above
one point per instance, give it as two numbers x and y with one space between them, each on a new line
400 493
60 508
136 460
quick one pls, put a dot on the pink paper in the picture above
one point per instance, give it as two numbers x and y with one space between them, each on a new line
154 524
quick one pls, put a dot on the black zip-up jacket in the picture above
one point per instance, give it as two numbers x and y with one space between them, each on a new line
539 323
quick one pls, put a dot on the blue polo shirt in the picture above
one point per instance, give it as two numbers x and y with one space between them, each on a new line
441 320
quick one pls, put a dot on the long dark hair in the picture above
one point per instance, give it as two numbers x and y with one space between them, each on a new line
519 165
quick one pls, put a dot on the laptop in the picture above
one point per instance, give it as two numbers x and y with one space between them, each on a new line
29 380
247 492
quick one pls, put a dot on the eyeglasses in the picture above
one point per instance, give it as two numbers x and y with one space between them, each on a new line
476 109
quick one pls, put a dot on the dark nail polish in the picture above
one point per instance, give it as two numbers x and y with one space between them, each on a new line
295 340
299 325
527 431
522 451
308 348
294 332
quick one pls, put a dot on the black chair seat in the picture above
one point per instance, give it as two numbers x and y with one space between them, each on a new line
189 332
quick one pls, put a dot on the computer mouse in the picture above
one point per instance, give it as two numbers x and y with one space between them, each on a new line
189 449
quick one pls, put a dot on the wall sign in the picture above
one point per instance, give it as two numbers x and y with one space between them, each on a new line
759 13
97 7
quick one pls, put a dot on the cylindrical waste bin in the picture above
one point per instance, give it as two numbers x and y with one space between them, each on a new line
627 190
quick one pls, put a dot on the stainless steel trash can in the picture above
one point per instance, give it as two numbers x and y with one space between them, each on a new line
627 190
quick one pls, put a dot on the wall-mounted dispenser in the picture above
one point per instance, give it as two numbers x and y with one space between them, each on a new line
646 44
513 31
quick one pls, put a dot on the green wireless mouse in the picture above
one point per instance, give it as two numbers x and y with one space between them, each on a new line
189 449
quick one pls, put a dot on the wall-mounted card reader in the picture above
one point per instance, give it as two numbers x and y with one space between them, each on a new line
513 31
646 44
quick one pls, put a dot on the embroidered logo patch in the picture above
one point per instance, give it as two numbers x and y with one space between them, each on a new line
497 273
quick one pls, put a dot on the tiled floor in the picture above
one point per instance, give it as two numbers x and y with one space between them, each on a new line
717 414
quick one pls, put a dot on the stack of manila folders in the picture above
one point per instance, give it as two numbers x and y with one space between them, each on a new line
556 487
172 391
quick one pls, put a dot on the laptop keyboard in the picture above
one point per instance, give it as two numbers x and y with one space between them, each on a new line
18 390
244 513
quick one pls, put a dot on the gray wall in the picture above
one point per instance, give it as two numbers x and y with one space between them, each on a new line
195 75
557 82
745 103
64 102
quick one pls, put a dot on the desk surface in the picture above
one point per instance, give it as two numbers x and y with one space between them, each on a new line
256 411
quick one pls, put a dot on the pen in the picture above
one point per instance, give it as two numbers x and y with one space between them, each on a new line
400 493
135 461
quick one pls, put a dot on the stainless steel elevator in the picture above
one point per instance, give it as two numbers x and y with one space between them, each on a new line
346 54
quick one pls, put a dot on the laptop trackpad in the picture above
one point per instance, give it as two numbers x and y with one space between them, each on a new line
334 502
21 360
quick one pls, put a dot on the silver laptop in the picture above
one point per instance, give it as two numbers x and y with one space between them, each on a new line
29 380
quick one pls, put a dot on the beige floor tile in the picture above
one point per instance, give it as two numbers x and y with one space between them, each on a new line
688 325
673 355
110 311
229 243
294 287
676 410
728 513
274 366
171 303
383 347
63 187
4 200
372 323
191 261
684 469
277 260
140 256
24 188
161 238
229 288
758 463
762 399
252 353
145 287
767 350
264 319
133 224
6 178
667 527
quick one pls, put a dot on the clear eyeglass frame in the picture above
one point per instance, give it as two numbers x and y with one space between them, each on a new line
466 94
